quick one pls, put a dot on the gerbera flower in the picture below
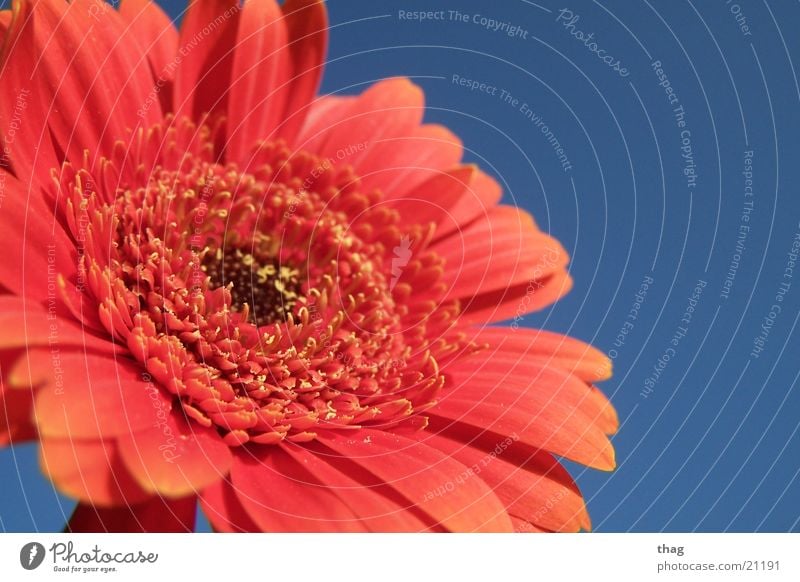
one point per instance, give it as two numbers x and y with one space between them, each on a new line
218 286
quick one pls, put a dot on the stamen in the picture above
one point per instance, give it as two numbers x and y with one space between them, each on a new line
269 289
322 339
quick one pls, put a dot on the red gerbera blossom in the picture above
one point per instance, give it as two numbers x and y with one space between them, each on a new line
218 286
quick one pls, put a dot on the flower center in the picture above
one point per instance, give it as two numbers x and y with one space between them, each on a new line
270 304
270 288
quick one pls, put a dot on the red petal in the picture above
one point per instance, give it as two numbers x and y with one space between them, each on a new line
414 158
546 348
482 194
516 301
361 137
16 406
451 200
23 113
260 78
5 23
33 242
224 510
25 323
419 473
90 471
325 112
538 489
377 506
274 490
175 458
434 199
524 526
499 252
607 418
307 27
92 85
548 408
155 515
206 42
94 396
156 35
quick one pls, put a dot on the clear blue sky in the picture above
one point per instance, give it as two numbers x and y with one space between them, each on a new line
709 440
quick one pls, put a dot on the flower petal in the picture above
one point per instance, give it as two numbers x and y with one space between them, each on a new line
5 24
450 200
274 490
153 515
517 301
36 245
417 471
498 252
224 510
89 470
175 458
259 85
364 133
206 45
16 406
90 83
536 488
413 158
89 396
482 194
433 200
521 345
548 408
23 114
25 323
325 112
307 27
378 507
524 526
156 35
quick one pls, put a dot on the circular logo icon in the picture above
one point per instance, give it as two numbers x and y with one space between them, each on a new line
31 555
